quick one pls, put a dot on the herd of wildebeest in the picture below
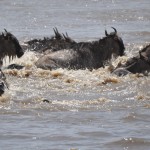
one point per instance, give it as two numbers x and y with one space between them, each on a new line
61 51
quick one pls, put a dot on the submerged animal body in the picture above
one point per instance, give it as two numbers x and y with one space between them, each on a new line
63 52
137 64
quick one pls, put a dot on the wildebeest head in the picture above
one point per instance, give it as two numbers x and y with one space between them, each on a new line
133 65
116 42
9 46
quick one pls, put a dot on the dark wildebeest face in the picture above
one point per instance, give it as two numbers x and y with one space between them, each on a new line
116 43
9 46
138 64
133 65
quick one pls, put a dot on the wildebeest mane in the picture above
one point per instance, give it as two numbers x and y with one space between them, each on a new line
56 42
9 46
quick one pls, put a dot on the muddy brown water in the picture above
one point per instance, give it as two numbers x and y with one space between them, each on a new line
87 109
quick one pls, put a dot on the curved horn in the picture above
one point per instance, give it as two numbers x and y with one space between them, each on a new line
64 36
54 31
114 29
5 30
67 34
106 33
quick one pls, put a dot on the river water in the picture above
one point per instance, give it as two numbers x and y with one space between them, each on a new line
87 110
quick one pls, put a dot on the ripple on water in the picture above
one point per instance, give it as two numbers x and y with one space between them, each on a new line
130 143
75 89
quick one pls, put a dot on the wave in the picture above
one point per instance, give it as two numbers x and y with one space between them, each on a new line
130 143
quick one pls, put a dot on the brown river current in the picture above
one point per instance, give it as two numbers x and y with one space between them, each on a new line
87 110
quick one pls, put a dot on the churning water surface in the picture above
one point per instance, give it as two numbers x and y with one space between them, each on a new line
87 109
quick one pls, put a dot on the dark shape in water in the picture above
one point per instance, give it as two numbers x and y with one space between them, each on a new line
45 100
3 83
15 66
9 46
137 64
63 52
2 88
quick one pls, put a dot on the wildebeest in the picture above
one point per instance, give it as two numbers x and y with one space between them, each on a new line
55 43
63 52
137 64
9 46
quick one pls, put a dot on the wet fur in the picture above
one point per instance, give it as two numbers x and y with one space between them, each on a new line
76 55
137 64
9 46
